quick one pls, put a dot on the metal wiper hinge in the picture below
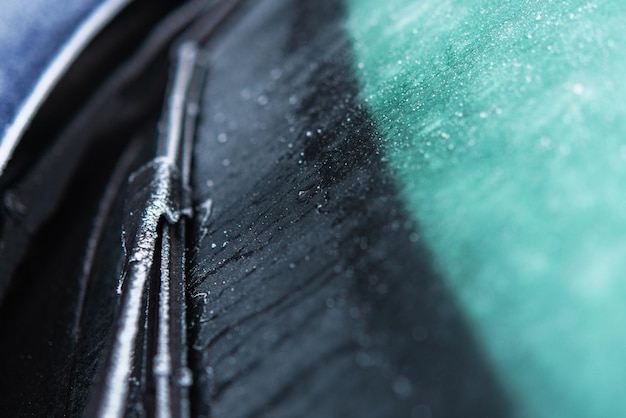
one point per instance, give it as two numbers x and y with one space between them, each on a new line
146 367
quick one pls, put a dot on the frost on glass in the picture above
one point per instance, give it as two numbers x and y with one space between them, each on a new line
504 125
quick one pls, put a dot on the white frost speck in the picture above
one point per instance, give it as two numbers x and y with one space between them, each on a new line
578 89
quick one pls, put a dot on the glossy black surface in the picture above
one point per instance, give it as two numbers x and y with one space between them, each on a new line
309 294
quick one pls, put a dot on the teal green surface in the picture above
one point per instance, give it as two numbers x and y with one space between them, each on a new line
504 123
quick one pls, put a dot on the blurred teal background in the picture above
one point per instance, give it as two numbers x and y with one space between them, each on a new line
504 124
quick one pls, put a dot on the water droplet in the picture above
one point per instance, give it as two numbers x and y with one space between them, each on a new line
222 137
246 94
185 378
226 162
402 387
355 313
193 109
276 73
161 366
262 100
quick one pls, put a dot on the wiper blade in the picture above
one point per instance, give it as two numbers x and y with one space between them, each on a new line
147 363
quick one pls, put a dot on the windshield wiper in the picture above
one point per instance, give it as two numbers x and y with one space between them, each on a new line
147 358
